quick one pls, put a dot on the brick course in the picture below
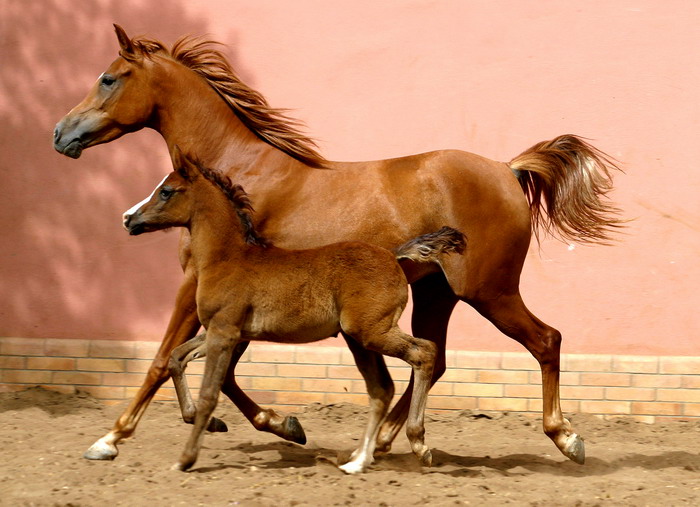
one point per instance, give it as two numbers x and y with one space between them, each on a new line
287 376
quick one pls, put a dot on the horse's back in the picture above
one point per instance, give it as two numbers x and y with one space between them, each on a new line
388 202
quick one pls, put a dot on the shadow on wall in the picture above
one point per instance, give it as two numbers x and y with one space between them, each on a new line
67 268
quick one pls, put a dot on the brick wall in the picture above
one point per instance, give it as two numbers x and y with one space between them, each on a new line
282 376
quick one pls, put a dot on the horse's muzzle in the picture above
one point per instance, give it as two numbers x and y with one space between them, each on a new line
72 148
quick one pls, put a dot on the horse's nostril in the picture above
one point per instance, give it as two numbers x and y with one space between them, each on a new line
55 133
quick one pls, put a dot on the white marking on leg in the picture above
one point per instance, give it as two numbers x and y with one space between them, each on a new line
136 207
357 465
103 449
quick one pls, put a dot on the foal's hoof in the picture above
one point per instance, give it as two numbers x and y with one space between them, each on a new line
574 449
101 451
179 467
217 426
293 430
382 447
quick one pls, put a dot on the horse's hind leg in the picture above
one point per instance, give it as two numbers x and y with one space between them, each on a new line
433 302
193 349
262 419
510 315
380 389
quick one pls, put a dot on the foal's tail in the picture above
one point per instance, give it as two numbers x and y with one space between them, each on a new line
569 179
429 247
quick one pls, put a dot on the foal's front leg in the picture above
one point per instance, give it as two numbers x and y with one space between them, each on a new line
262 419
220 343
193 349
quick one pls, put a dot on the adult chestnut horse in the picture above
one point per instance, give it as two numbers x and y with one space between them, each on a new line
191 96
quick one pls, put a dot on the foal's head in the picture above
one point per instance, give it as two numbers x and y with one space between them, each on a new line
192 190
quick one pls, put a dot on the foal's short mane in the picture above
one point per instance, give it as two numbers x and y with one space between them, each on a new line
271 125
240 201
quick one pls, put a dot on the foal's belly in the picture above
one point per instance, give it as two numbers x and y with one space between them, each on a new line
302 328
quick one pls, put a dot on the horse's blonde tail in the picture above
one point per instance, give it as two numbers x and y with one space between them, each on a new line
569 180
429 247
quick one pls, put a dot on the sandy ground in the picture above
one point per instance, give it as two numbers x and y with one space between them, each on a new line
478 459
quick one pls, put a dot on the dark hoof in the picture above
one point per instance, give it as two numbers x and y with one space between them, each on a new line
293 430
217 426
382 447
427 459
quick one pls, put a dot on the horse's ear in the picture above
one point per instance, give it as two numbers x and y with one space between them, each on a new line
127 47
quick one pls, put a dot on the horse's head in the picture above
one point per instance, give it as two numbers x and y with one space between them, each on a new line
169 205
119 102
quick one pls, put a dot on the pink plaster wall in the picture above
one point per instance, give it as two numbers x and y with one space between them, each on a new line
372 79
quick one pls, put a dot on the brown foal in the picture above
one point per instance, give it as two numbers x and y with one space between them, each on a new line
251 290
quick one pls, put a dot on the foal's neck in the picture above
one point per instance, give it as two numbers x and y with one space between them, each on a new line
215 229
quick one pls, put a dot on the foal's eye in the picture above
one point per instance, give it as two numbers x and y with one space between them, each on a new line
165 193
107 80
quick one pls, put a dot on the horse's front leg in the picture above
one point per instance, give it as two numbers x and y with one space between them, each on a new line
221 340
183 326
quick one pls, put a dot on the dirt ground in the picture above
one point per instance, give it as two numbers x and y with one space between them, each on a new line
478 459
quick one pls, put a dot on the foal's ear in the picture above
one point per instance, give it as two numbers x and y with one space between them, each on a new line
184 165
127 47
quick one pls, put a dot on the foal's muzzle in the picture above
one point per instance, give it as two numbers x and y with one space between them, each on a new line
133 226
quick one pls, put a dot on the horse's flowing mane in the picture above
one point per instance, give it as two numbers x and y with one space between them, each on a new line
240 201
271 125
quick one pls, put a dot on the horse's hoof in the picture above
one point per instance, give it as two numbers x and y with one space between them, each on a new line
217 426
427 459
178 467
101 451
575 449
293 430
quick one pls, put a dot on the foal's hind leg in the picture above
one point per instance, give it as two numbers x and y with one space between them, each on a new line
420 354
433 302
263 419
510 315
380 389
193 349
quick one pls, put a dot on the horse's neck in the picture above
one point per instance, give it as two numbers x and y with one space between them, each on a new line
190 114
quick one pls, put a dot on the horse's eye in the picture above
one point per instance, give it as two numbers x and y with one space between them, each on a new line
165 193
107 81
